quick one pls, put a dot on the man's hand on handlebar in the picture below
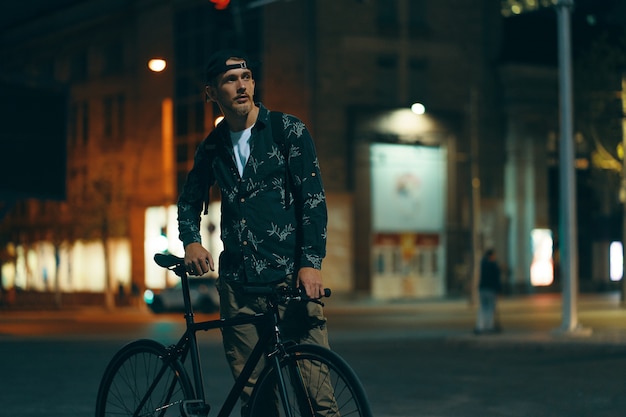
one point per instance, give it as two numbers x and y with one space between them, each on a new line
311 280
198 260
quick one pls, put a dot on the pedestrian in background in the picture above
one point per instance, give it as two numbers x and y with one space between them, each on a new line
488 289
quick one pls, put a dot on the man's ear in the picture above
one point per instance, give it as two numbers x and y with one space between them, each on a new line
209 92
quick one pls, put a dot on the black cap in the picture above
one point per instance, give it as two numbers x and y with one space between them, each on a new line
217 62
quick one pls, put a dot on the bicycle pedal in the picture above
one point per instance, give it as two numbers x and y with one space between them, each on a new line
194 408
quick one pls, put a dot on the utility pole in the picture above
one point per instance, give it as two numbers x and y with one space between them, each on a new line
622 193
568 236
475 184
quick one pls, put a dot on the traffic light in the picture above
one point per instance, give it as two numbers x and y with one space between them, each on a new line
220 4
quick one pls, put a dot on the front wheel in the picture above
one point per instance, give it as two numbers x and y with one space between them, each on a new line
141 380
318 383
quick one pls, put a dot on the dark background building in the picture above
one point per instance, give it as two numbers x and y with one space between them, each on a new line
350 69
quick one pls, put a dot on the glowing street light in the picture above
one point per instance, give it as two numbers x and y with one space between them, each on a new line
157 64
418 108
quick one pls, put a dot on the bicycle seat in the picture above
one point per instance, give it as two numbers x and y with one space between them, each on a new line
167 260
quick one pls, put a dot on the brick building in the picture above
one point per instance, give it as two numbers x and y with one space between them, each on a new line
349 69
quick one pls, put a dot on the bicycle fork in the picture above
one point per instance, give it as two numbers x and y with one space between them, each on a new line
295 377
282 386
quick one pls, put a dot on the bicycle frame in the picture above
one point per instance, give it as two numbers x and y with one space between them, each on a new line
188 344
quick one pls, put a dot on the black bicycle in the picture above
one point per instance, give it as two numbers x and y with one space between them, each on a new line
145 378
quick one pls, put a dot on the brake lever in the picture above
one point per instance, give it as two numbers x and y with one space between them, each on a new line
303 297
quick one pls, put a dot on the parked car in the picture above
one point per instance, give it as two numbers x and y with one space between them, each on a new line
202 291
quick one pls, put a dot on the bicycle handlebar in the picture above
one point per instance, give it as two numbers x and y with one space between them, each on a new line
170 261
285 292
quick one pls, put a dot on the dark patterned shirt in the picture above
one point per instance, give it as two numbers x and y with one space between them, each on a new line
269 230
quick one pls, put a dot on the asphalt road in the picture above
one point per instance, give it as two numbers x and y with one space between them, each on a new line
413 359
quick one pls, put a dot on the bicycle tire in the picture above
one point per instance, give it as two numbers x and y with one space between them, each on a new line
131 381
332 388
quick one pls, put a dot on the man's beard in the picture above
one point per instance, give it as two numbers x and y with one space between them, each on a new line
243 109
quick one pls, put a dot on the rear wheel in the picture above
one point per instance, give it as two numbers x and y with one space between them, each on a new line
141 380
319 383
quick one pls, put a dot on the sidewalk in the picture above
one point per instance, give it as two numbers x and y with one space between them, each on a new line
536 319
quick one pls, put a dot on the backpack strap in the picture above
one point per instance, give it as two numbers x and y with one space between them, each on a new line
278 133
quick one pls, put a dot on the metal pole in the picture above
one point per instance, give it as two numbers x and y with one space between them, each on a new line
568 234
475 183
622 194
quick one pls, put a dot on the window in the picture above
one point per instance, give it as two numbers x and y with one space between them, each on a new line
388 18
79 123
418 26
84 122
113 59
387 73
113 117
181 120
417 78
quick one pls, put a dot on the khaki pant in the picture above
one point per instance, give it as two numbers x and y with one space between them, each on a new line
301 322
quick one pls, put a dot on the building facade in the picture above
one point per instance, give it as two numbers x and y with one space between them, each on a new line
413 198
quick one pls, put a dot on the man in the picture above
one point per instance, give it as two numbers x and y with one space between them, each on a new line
488 288
273 208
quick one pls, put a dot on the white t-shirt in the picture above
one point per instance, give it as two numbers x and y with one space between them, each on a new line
241 147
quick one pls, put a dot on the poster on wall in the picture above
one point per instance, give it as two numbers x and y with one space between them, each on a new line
408 188
408 184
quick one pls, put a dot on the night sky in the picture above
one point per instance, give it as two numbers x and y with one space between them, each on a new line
532 37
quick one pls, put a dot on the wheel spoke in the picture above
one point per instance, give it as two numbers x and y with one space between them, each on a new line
319 384
139 383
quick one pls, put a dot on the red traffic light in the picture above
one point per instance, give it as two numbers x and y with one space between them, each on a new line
220 4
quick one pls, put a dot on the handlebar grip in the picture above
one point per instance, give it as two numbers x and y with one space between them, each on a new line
263 290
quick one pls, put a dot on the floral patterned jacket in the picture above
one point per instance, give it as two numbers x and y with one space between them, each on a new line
269 230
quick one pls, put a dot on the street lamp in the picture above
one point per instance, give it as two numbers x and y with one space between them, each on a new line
418 108
157 64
